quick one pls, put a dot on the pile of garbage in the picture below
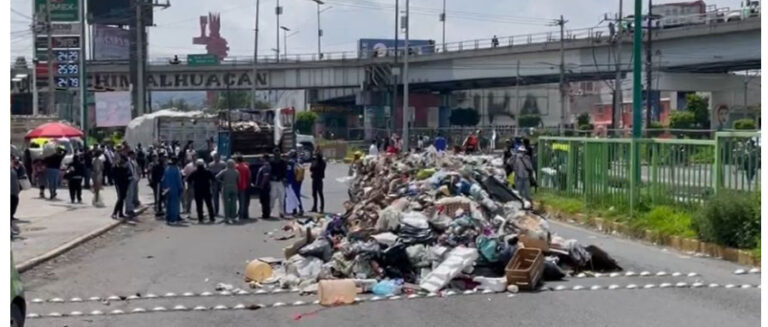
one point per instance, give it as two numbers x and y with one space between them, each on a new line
425 223
248 126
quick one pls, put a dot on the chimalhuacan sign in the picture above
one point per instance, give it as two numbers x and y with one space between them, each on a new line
184 80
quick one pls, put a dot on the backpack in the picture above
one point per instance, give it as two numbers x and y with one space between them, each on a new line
298 173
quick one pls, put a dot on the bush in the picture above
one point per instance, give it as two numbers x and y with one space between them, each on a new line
667 221
730 219
745 123
682 120
305 121
529 121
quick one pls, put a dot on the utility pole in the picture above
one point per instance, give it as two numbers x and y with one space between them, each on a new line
562 22
648 66
255 78
637 84
83 82
617 90
393 105
51 85
140 92
406 111
278 12
442 19
517 90
35 100
285 40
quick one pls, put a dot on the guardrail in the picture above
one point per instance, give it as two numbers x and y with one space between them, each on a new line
596 32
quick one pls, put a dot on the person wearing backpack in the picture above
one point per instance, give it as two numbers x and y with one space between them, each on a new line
294 176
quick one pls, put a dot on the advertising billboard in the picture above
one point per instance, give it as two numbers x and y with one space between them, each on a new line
113 109
61 10
368 48
110 43
117 12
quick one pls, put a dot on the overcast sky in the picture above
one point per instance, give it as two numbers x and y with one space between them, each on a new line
346 21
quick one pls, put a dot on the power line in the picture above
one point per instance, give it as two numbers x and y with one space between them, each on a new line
20 14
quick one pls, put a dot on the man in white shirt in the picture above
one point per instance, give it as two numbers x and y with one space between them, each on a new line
188 191
373 149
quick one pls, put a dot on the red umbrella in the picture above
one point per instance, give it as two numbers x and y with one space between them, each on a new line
54 130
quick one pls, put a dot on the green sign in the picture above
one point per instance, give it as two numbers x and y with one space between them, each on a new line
202 60
61 10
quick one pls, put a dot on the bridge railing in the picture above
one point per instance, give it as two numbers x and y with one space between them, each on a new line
543 38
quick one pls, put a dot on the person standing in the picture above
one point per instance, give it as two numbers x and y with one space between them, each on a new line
74 175
38 172
88 165
243 185
109 159
172 188
201 180
188 190
97 175
277 183
262 184
471 143
317 172
216 166
52 169
156 172
228 179
372 150
523 173
121 176
141 160
15 190
294 174
131 194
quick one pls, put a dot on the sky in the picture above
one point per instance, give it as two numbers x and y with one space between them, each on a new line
346 21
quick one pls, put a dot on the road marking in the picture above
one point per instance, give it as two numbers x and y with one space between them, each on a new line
240 306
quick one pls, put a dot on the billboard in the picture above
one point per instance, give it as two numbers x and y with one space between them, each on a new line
117 12
113 109
61 10
386 47
110 43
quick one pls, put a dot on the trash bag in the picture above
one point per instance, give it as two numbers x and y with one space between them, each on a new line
306 268
396 264
552 271
387 287
488 248
498 191
320 248
417 255
601 261
492 284
414 228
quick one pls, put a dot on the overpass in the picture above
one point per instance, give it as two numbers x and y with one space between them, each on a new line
705 48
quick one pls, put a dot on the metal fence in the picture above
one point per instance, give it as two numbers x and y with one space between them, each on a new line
636 174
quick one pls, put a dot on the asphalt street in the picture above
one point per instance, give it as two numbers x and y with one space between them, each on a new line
153 258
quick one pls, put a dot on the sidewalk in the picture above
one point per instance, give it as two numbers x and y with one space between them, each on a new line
48 224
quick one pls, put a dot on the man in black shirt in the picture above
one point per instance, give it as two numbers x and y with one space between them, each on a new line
202 180
277 182
52 169
317 171
156 171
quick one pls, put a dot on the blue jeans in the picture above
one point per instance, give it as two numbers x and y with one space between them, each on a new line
52 180
245 201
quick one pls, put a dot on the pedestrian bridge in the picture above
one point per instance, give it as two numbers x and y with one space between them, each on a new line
589 54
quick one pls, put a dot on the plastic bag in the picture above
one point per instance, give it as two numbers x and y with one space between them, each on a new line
387 287
320 248
493 284
417 255
488 248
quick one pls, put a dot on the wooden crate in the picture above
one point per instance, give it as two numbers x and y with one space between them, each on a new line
525 269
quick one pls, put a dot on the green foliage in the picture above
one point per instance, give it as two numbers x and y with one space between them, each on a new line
583 119
699 107
529 120
665 220
238 100
464 117
703 155
180 104
745 123
682 120
564 204
305 121
729 219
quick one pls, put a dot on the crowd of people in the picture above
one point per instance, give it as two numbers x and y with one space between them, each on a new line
178 176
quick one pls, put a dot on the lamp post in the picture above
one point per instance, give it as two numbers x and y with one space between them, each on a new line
319 30
278 12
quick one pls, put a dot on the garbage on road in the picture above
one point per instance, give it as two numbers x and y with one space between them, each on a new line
426 223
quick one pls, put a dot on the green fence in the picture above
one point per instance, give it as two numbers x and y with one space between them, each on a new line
633 174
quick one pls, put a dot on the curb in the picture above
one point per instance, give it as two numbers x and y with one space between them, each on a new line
712 250
31 263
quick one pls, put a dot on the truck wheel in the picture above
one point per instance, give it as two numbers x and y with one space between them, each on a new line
17 317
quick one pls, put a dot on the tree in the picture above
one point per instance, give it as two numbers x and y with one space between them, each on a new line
464 117
529 120
682 120
530 116
238 100
583 122
180 104
305 122
699 107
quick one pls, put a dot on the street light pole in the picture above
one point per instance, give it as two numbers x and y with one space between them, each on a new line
278 12
51 85
637 85
442 19
319 30
285 40
255 77
561 22
83 83
406 111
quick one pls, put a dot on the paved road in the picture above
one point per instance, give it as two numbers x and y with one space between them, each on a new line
154 258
